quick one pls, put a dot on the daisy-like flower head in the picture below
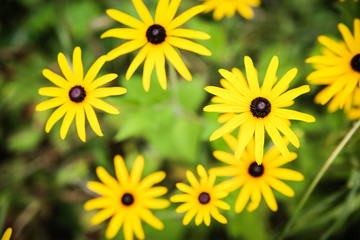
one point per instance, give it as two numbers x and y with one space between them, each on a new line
227 8
128 199
253 179
201 198
338 68
257 109
77 95
7 234
156 38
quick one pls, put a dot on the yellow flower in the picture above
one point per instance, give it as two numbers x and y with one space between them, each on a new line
156 38
227 8
257 109
7 234
253 179
201 198
338 67
77 95
127 200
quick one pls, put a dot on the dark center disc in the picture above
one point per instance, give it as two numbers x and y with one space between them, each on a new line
156 34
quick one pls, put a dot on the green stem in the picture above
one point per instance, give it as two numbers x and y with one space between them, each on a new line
317 179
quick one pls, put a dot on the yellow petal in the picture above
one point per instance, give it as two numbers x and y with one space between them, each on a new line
268 196
120 170
347 36
100 188
280 186
270 77
199 217
148 68
78 66
171 11
126 48
336 47
277 139
245 134
55 116
150 219
101 81
140 57
128 229
80 123
160 69
176 61
137 170
188 45
94 70
52 91
54 102
287 174
281 125
152 179
252 76
259 140
123 33
7 234
283 84
192 179
126 19
97 203
229 126
106 178
243 198
102 215
143 12
69 117
183 207
215 213
65 68
255 199
188 33
56 79
189 215
290 95
136 223
114 225
185 16
161 10
93 121
100 104
185 188
293 115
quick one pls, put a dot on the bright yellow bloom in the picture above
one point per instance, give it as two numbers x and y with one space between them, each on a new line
7 234
257 109
77 95
338 67
253 179
156 38
227 8
201 198
128 199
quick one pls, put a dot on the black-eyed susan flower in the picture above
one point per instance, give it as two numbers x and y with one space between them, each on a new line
202 198
256 109
76 95
128 199
228 8
253 179
338 67
157 39
7 234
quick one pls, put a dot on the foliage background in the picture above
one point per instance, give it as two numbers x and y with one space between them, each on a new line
43 179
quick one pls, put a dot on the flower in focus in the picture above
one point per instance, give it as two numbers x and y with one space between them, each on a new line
201 198
227 8
253 179
7 234
77 95
256 109
338 67
157 39
128 199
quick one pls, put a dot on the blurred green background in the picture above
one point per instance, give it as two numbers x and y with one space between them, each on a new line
43 179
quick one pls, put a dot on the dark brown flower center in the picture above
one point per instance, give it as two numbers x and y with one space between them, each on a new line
77 94
256 170
204 198
156 34
260 107
355 63
127 199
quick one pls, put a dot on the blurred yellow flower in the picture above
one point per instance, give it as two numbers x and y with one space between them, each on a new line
257 109
201 198
338 67
77 95
128 199
253 179
227 8
157 39
7 234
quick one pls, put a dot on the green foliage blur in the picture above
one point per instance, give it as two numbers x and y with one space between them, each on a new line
43 178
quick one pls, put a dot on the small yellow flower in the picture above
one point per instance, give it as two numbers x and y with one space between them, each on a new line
338 67
227 8
156 38
253 179
77 95
256 109
127 200
201 198
7 234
